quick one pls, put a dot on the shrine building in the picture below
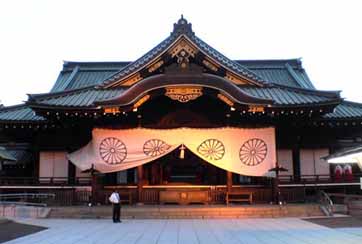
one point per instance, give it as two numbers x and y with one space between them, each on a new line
181 124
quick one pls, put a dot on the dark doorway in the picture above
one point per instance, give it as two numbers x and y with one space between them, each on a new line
172 169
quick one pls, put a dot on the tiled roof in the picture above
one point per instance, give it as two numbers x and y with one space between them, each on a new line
288 72
154 52
281 96
346 110
90 74
79 83
76 98
234 66
19 113
77 75
22 113
285 96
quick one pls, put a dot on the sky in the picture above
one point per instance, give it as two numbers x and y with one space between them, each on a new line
36 36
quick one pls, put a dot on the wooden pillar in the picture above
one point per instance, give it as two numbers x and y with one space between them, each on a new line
139 182
1 173
71 173
276 191
296 163
94 188
36 168
229 180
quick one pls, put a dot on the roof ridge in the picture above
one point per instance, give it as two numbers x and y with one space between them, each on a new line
244 70
294 75
33 97
57 94
65 62
352 103
70 78
12 107
270 60
307 90
116 75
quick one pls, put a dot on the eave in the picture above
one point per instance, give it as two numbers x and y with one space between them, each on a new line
140 89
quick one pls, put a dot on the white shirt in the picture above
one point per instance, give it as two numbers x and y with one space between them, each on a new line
114 198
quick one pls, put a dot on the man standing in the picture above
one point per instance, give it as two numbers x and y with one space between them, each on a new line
116 202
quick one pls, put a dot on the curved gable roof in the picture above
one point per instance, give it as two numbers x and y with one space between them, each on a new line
183 32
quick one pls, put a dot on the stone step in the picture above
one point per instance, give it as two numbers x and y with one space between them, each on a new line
187 212
15 211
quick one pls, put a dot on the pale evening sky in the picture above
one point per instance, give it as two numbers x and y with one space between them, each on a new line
37 35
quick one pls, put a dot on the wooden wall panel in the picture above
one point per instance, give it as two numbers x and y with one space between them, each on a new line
311 162
53 164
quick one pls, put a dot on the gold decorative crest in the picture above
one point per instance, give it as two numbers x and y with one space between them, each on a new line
255 109
209 64
141 101
183 94
155 66
131 80
111 110
235 79
225 99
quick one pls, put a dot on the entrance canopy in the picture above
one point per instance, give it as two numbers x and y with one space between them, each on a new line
242 151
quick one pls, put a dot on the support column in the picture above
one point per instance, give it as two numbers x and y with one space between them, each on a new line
71 173
296 163
36 168
276 190
229 180
94 188
139 182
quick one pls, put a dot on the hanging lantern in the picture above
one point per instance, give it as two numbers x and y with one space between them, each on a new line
182 151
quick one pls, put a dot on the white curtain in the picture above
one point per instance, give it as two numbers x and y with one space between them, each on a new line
242 151
347 159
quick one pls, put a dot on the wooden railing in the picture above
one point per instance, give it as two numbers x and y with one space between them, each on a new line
86 181
38 181
318 179
326 203
217 194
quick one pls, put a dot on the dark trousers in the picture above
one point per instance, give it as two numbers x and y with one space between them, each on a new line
116 212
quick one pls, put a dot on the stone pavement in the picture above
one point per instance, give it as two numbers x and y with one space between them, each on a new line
206 231
10 230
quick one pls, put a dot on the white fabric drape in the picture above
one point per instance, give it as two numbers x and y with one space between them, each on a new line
347 159
242 151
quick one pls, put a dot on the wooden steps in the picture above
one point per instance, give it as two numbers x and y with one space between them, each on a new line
190 212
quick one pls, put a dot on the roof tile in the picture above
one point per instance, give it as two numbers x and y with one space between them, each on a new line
19 113
346 110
